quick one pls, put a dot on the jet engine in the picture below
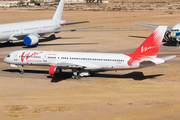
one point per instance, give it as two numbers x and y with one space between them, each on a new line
31 39
167 36
54 70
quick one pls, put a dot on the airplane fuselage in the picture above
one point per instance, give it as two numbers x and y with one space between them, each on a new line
105 61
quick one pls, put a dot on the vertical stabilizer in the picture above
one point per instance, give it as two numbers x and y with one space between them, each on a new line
59 10
150 47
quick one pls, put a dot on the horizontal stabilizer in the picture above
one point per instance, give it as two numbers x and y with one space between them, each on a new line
168 57
151 26
71 23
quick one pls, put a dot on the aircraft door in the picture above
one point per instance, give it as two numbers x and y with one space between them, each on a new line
45 57
16 57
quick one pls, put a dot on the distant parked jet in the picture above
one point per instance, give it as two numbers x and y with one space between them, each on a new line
171 35
82 62
31 31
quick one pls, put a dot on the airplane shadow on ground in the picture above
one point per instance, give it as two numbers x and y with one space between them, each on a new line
137 36
138 76
44 39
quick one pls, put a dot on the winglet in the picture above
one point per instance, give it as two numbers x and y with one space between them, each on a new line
59 10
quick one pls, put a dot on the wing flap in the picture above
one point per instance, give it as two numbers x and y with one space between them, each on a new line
77 65
66 65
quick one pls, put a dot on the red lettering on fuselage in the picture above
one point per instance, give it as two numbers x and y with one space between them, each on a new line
27 55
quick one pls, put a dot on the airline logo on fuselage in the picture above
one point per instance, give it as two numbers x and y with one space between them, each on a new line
27 55
144 49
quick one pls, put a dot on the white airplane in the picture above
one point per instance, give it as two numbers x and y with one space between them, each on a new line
82 62
31 31
171 35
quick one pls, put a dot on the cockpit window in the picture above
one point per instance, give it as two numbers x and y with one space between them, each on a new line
8 56
175 30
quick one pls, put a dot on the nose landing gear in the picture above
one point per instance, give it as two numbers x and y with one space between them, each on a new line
21 69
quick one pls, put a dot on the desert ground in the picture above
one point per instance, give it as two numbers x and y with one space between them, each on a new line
151 93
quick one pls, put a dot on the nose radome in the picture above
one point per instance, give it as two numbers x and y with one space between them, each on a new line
5 60
173 34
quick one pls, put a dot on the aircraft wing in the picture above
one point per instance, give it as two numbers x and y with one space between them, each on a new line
70 23
77 65
40 33
149 25
70 65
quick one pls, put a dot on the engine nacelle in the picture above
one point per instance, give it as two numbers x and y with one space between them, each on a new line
167 36
54 70
31 39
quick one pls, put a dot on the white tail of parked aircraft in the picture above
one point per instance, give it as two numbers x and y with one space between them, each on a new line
31 31
82 62
59 11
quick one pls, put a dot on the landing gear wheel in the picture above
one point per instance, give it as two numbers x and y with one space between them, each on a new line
22 72
76 77
73 77
177 44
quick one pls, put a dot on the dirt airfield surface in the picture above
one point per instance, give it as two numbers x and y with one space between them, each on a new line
142 94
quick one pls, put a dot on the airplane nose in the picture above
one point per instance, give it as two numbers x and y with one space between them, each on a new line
173 34
5 60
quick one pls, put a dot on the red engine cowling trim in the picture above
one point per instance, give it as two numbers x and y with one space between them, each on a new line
51 70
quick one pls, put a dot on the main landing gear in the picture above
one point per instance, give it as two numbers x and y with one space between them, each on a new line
77 74
177 44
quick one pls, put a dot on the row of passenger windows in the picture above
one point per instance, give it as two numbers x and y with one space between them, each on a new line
72 58
52 57
95 59
26 29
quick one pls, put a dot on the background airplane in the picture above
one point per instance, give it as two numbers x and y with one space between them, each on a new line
31 31
82 62
171 35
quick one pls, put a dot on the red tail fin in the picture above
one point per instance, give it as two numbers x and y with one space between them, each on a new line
150 46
